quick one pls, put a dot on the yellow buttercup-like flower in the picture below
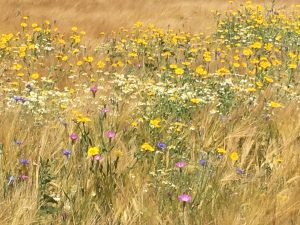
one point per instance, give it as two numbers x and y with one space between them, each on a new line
275 104
234 156
179 71
35 76
155 123
92 151
195 100
147 147
221 150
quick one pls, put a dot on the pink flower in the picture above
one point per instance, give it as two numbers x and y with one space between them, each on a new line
24 177
94 89
74 137
184 198
110 134
180 164
105 110
97 157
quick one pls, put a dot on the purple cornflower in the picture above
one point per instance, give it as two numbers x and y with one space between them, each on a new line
185 198
110 134
180 164
161 145
202 162
94 89
67 152
18 142
19 99
240 171
24 161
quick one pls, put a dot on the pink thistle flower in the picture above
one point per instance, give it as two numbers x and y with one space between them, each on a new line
110 134
181 164
94 89
185 198
74 137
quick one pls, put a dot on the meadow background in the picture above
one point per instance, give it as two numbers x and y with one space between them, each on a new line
149 112
108 15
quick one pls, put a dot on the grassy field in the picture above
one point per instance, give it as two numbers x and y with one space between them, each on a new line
95 16
175 114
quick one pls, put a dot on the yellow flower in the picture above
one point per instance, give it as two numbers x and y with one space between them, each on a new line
23 24
155 123
259 84
268 79
268 46
275 104
179 71
251 89
16 67
236 64
134 124
138 24
34 25
35 76
173 66
247 52
221 150
195 100
223 71
201 71
74 28
207 56
81 118
101 64
292 65
64 58
265 63
92 151
118 153
147 147
132 54
234 156
256 45
186 63
79 63
89 59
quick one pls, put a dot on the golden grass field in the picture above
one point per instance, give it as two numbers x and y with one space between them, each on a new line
203 131
95 16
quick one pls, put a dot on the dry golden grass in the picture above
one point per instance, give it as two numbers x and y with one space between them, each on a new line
95 16
278 206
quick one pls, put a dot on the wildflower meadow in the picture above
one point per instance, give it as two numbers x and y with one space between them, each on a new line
151 125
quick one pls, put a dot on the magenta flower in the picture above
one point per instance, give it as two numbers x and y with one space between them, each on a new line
110 134
94 89
184 198
105 110
180 164
73 137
